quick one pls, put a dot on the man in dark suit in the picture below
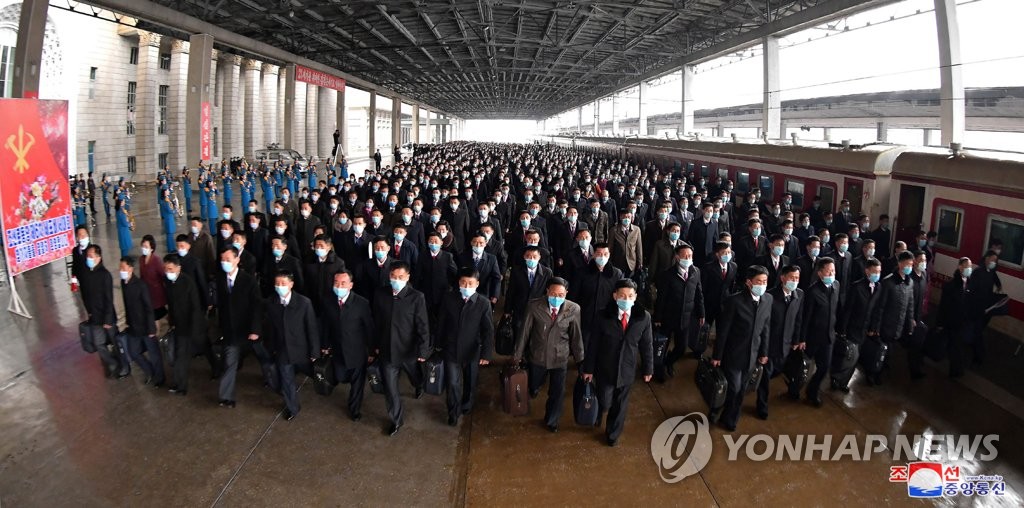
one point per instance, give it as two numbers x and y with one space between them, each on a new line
78 267
787 308
593 289
893 318
435 275
186 314
751 245
468 329
703 234
239 311
348 335
551 330
97 288
292 334
373 274
458 220
774 260
403 337
140 323
577 257
567 236
622 339
742 339
304 226
818 330
953 314
281 259
257 237
844 267
403 250
679 309
193 268
808 262
320 272
528 280
854 316
486 265
247 260
718 279
354 244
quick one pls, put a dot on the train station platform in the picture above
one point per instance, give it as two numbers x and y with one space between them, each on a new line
69 437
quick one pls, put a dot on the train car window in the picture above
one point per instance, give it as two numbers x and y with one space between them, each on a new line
828 197
743 181
704 171
767 185
723 173
689 166
796 189
1011 232
950 223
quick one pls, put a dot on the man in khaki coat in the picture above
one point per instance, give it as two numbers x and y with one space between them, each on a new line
551 328
626 244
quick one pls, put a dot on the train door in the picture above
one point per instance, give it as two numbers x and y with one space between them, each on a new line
911 212
854 192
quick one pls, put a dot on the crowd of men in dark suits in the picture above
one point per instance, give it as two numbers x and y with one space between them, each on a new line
588 255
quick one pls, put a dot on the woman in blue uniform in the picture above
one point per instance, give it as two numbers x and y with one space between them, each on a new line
293 180
278 180
186 188
311 177
167 219
211 205
267 181
228 191
124 227
80 219
245 185
204 178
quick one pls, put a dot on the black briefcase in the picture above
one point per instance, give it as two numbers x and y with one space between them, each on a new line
504 337
121 351
584 403
873 354
936 345
711 383
754 379
660 352
845 354
797 369
433 375
323 375
373 377
167 343
86 334
703 337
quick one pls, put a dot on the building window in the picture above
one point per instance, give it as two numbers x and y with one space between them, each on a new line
1011 233
950 222
162 110
131 164
6 70
216 147
92 156
92 82
162 160
131 107
796 189
133 55
165 61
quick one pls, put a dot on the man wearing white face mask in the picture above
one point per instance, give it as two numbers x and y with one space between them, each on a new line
953 318
819 323
202 246
348 330
239 309
78 267
292 335
787 307
467 328
742 341
679 309
140 324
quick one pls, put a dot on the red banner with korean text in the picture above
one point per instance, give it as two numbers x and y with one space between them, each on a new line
35 199
315 77
204 131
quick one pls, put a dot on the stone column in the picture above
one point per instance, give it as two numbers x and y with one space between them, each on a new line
28 51
415 132
269 103
341 116
299 119
597 118
283 139
615 115
198 90
882 131
312 125
686 101
216 100
771 108
396 123
430 133
176 122
643 112
953 118
231 107
253 107
327 99
371 119
147 81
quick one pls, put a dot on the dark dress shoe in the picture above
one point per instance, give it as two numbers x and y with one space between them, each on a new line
553 428
916 375
175 391
729 428
288 415
419 392
227 403
613 442
149 379
762 415
815 401
670 370
394 429
452 421
356 417
533 394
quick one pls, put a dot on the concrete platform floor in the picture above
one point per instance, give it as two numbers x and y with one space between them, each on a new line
69 437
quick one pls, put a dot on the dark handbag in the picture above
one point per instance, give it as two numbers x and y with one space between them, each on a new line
323 375
797 369
916 340
120 350
373 377
584 403
86 336
845 354
703 337
167 343
660 352
755 378
873 354
433 375
711 383
504 340
936 345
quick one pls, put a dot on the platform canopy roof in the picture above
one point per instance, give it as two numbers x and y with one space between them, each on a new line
509 58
